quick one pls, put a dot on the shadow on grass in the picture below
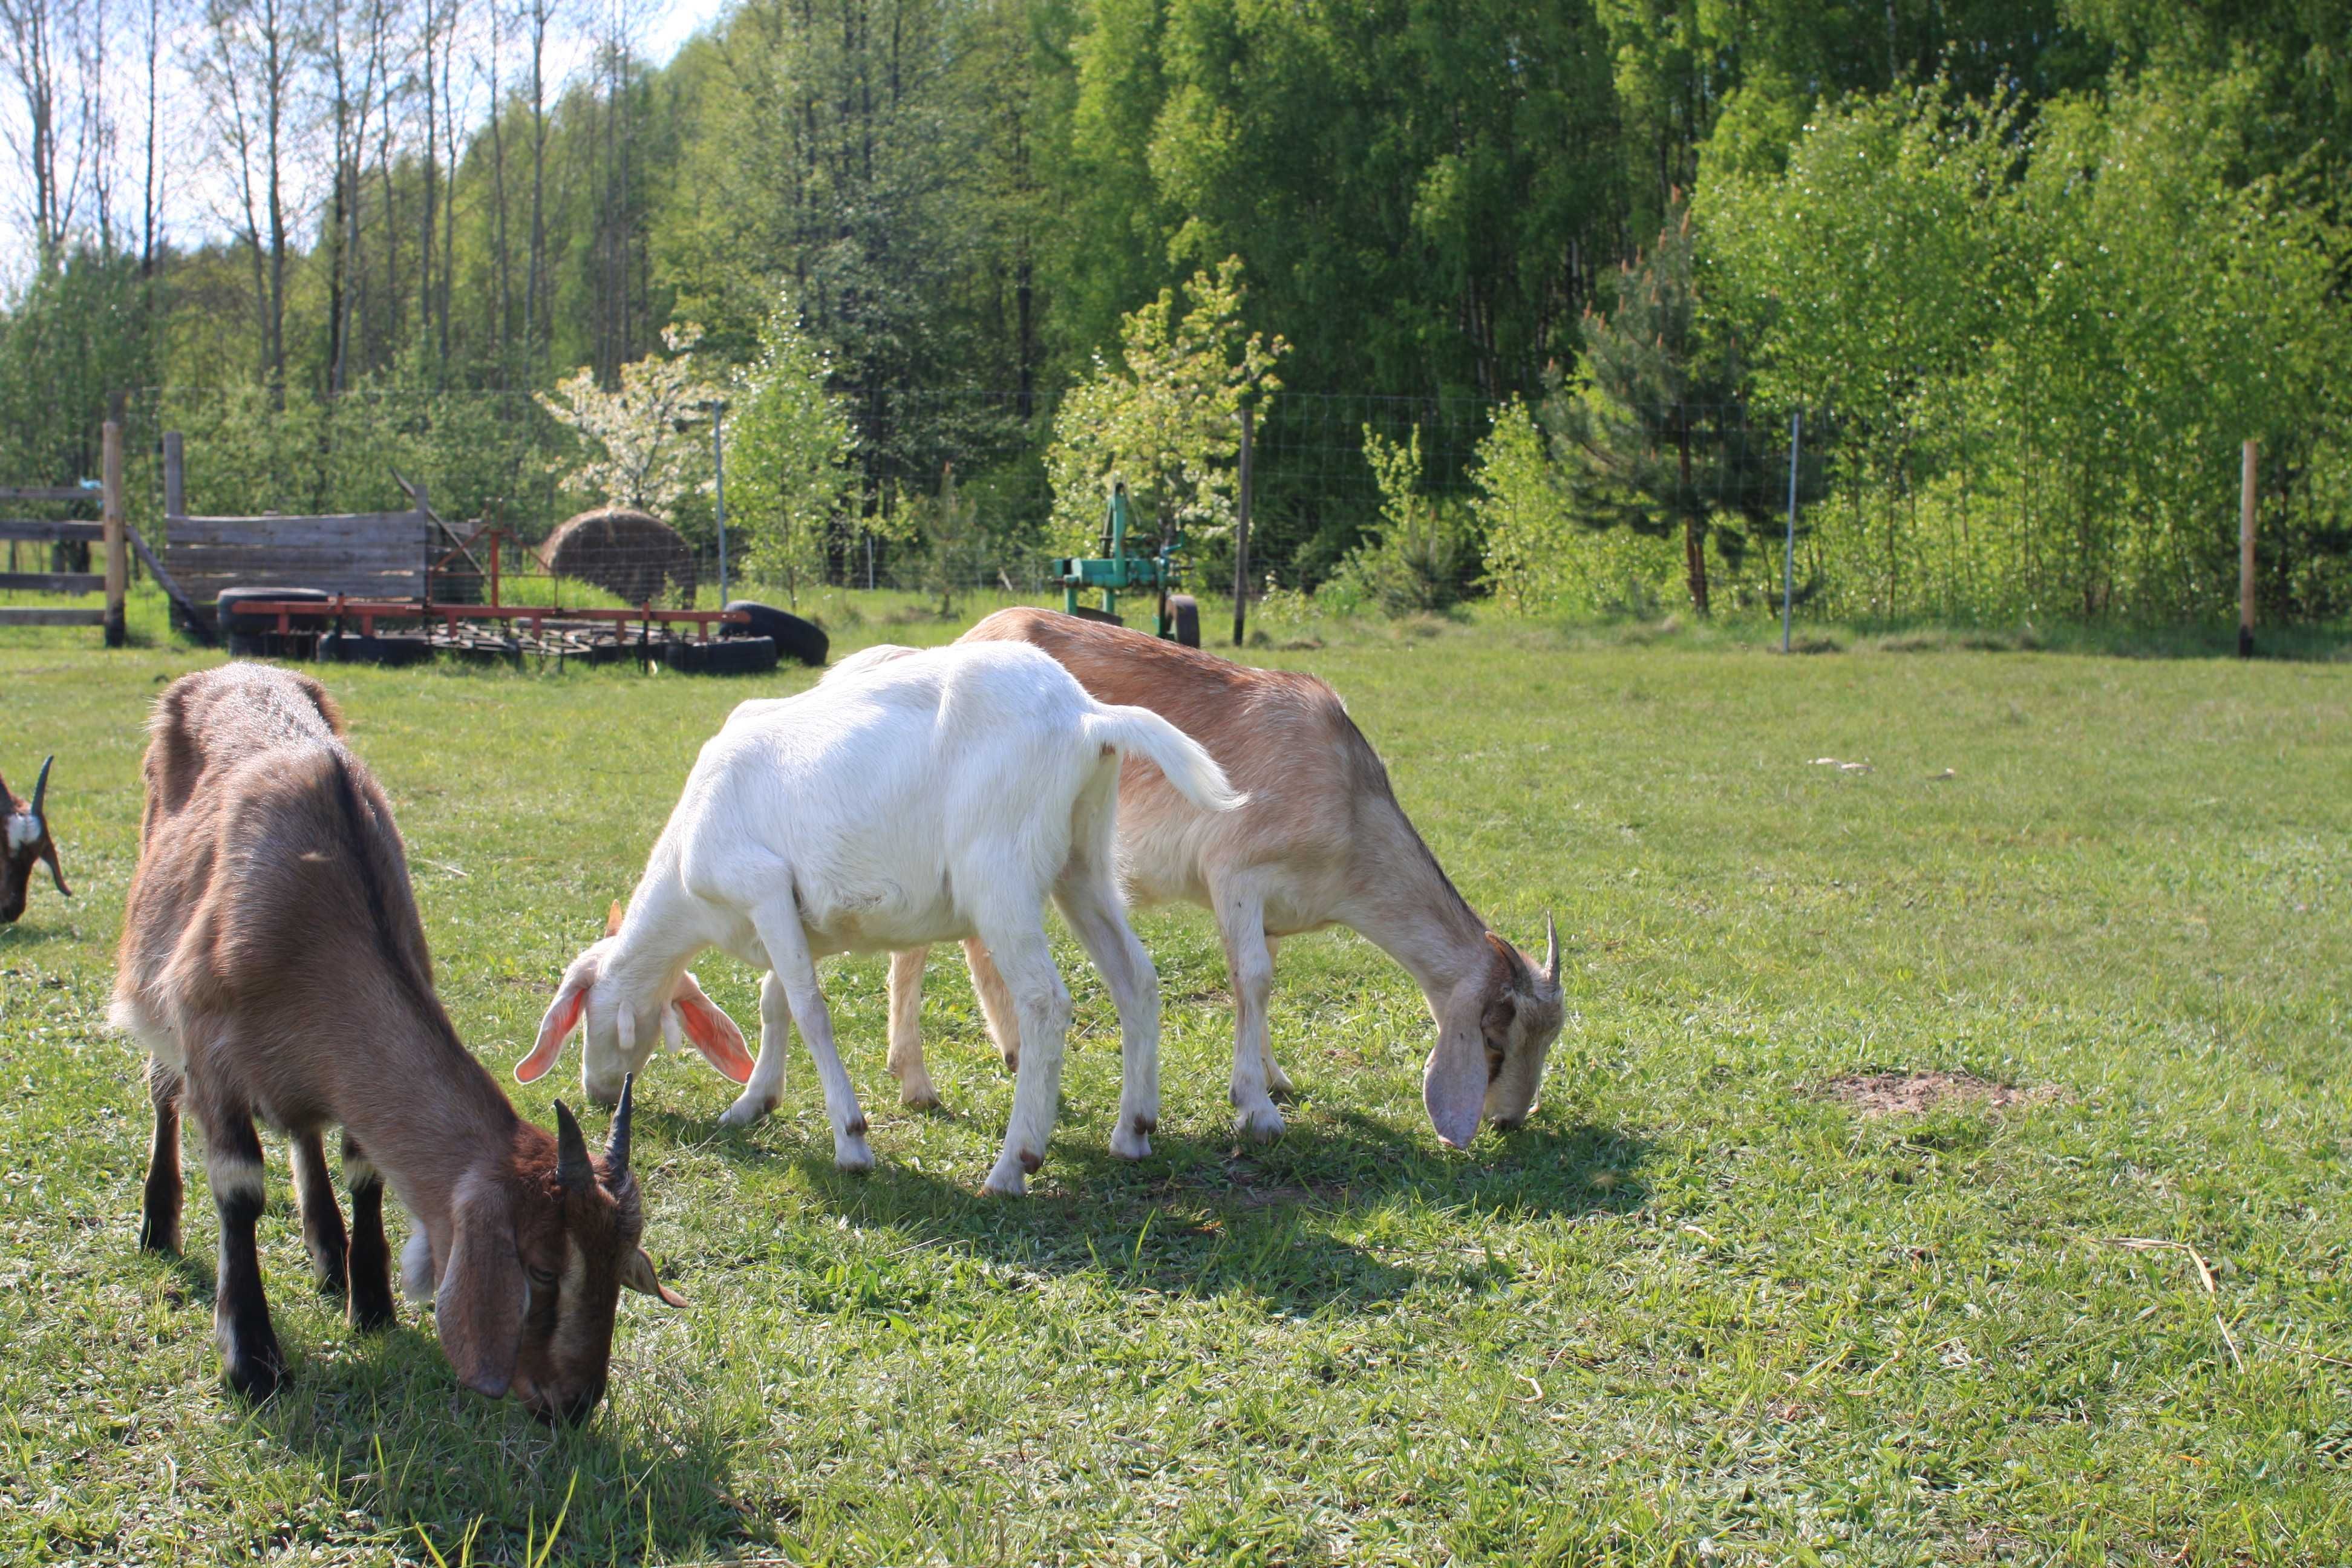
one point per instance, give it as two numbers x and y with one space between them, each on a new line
381 1420
1216 1217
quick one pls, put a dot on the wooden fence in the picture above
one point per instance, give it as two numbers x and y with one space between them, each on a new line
110 531
369 555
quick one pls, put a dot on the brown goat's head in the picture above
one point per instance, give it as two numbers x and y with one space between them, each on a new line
1493 1039
26 842
536 1267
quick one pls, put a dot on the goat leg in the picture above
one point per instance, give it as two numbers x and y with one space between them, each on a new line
249 1351
369 1266
322 1217
159 1219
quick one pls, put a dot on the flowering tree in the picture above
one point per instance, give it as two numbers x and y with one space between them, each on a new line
1165 423
790 446
637 455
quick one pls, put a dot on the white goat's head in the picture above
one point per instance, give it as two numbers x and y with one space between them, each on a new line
25 841
619 1031
1493 1038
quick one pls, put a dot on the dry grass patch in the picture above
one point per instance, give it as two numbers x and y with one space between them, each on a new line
1913 1093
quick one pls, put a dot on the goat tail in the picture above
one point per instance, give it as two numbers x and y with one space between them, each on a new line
1141 732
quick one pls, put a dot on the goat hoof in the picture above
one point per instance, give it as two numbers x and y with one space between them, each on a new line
1004 1184
853 1155
1012 1061
1262 1124
1127 1143
373 1315
925 1098
746 1110
257 1373
156 1236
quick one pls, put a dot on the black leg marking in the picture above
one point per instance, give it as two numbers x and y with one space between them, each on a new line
370 1269
322 1217
159 1219
249 1351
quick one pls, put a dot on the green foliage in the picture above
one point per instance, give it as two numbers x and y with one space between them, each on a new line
1166 419
1539 558
792 451
1423 553
2041 345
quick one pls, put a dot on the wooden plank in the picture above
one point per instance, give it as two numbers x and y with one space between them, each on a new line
44 615
43 530
46 493
271 532
52 582
281 562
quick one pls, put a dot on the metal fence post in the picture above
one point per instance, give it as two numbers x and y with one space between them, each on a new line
1789 553
719 488
118 551
1241 529
2249 464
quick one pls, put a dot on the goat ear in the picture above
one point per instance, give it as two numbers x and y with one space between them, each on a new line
561 1018
638 1274
56 873
1453 1082
478 1309
714 1034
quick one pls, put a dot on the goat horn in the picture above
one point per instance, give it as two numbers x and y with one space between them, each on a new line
1552 953
41 787
616 1146
573 1173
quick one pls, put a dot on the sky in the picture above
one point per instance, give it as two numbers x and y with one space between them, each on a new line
199 179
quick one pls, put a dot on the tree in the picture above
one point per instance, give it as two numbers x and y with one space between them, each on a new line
1652 436
792 451
1166 421
637 454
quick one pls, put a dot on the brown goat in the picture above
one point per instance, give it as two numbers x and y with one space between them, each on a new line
274 966
1320 842
28 843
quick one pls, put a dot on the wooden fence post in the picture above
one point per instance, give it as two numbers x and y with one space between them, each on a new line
1241 529
176 481
2248 464
112 520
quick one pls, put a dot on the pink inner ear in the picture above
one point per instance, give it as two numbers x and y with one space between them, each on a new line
714 1034
553 1030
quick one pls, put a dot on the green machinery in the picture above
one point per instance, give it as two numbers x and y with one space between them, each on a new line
1115 572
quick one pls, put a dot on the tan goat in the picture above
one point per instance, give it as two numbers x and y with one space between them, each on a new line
1321 842
273 966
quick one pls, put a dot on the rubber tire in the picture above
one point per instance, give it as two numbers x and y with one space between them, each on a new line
352 647
725 656
259 643
1185 611
793 638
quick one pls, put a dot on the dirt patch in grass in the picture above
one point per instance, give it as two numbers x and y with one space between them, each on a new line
1912 1093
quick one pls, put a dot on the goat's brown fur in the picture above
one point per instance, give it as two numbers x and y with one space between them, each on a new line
1320 841
273 964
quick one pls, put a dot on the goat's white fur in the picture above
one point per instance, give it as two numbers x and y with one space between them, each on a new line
910 797
24 828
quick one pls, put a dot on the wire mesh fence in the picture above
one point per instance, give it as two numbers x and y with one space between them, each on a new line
1584 511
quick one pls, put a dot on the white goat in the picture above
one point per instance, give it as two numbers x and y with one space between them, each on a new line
910 797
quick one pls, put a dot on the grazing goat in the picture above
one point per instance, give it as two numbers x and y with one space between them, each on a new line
273 965
1321 842
29 843
908 798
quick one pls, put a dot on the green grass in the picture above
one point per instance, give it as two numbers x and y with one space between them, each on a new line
1699 1310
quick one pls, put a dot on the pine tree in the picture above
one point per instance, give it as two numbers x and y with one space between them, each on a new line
1653 435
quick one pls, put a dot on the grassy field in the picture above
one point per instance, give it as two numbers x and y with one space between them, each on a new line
1707 1308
